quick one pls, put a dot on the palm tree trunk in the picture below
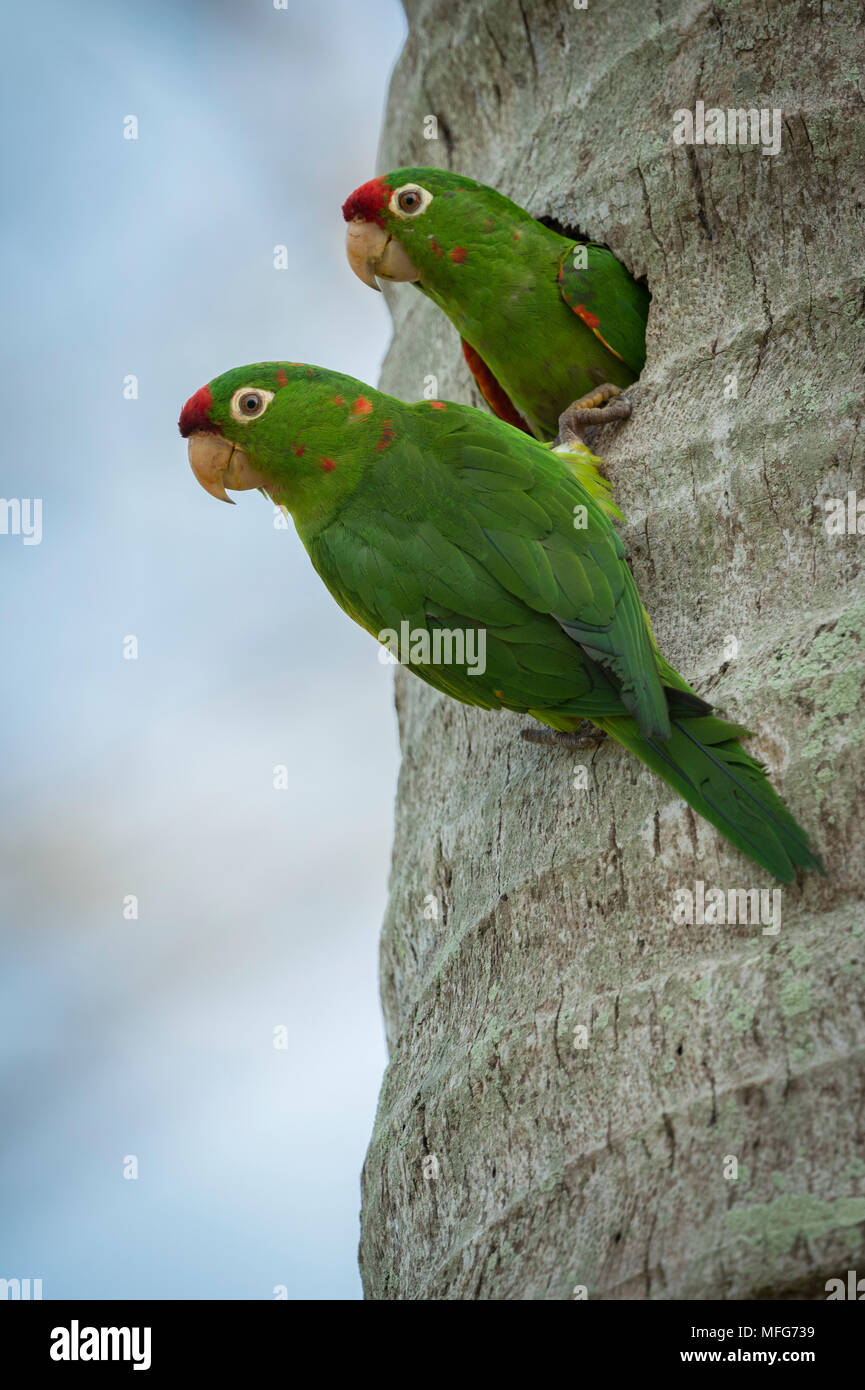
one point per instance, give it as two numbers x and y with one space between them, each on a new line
583 1095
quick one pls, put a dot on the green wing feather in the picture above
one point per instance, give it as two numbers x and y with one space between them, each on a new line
605 297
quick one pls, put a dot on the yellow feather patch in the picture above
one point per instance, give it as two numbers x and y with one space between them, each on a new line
586 468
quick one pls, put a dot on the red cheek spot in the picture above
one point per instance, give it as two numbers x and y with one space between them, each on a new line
517 236
328 465
434 247
361 407
282 379
338 400
298 450
499 694
458 255
438 405
587 316
489 224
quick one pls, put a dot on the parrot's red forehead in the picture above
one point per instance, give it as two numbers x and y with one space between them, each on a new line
369 202
194 417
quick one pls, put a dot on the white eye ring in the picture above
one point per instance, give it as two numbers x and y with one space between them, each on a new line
410 188
245 417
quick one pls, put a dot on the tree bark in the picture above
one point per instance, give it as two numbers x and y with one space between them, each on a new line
707 1140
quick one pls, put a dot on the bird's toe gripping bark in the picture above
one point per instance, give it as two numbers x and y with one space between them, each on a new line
601 406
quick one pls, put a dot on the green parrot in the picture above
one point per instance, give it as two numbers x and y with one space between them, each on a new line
473 550
544 319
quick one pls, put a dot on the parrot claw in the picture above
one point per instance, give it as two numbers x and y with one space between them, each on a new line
585 737
600 407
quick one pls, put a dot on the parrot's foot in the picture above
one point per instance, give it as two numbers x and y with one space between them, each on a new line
587 736
599 407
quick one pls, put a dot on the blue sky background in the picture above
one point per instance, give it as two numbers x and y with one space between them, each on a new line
154 777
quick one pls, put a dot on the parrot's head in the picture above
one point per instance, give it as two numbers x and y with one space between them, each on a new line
426 226
231 425
288 428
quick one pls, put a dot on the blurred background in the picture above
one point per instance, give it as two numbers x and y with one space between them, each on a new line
152 778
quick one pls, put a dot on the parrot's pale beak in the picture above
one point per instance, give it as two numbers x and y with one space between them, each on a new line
218 464
373 252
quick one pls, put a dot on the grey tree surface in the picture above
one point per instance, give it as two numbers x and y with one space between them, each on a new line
507 1160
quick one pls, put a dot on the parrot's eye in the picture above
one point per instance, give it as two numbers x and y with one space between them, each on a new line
249 403
410 200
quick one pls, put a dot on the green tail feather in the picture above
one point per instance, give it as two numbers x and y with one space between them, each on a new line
706 765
